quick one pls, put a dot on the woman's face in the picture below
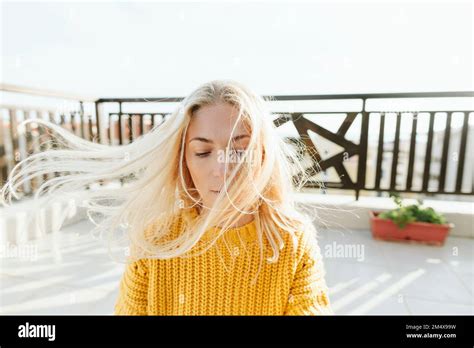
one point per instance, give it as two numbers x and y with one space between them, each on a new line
206 140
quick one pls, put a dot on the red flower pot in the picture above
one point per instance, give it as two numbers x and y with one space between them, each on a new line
424 232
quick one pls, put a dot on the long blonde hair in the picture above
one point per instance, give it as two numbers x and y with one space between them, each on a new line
158 185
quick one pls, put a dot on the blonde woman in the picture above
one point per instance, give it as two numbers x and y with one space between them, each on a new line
207 210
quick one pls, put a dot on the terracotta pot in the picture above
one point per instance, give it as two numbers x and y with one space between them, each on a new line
423 232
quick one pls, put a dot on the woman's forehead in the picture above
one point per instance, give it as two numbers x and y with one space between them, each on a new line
215 122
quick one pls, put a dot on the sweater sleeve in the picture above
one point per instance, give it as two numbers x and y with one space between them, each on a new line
133 289
309 294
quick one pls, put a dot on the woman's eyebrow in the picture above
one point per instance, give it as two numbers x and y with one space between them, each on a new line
209 141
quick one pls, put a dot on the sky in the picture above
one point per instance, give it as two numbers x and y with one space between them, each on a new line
154 49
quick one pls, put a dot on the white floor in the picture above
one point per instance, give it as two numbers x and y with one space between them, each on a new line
398 278
365 276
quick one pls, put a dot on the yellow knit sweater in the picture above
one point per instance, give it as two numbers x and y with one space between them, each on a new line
219 282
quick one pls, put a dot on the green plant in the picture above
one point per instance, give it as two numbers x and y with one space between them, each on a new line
404 215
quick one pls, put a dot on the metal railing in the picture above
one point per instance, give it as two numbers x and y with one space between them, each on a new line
432 181
353 165
16 144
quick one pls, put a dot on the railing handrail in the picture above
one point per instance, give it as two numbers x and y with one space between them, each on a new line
50 93
311 96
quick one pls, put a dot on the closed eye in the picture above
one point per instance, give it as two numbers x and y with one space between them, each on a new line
203 154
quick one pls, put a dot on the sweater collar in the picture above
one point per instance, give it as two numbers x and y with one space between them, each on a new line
246 232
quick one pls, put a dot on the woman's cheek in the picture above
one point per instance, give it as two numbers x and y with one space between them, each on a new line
199 172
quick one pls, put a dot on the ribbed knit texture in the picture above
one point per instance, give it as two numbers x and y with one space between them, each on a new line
219 282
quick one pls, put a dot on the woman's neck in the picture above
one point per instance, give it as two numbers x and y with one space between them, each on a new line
243 219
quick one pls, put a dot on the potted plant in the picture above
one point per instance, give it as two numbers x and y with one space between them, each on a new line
411 222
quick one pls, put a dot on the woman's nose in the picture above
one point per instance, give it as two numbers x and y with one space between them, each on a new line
218 169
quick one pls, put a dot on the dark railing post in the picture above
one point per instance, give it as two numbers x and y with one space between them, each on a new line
411 156
97 120
462 153
429 145
362 165
380 151
119 123
395 152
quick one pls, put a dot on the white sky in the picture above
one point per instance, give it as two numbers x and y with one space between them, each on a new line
124 49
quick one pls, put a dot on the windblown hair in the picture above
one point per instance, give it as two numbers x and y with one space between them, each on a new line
158 184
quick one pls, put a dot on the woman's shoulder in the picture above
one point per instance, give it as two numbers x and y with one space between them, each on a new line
300 241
